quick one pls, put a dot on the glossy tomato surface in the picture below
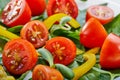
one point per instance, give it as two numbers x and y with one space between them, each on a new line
92 34
102 13
37 6
35 32
110 52
62 49
62 6
16 12
42 72
19 56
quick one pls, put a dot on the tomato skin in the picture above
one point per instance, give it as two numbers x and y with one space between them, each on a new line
19 56
20 18
37 6
92 34
62 6
110 52
102 13
62 49
35 32
42 72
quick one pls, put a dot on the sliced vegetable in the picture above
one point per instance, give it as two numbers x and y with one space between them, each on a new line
7 34
19 56
110 52
37 6
68 7
35 32
42 72
85 67
92 34
16 12
102 13
62 49
57 17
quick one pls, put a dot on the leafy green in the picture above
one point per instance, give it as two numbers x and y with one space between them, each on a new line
114 25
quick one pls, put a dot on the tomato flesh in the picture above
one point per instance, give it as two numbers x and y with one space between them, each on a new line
62 6
103 13
35 32
19 56
14 13
110 52
42 72
62 49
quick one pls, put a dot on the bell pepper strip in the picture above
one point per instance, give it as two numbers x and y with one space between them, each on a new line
4 76
79 51
57 17
90 58
7 34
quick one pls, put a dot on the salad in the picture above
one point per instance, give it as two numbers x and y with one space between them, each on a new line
54 40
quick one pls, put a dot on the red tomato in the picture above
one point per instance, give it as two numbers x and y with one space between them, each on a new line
17 12
92 34
62 49
62 6
42 72
37 6
110 52
19 56
103 13
35 32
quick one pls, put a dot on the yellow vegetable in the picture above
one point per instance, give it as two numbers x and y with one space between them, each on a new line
56 17
90 58
7 34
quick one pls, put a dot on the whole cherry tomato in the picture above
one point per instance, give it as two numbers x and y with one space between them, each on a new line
16 12
92 34
102 13
19 56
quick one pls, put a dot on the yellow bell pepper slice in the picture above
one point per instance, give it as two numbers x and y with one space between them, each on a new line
7 34
56 17
90 62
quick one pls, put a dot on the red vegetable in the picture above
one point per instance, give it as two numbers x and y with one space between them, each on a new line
35 32
42 72
62 49
62 6
16 12
92 34
37 6
110 52
19 56
102 13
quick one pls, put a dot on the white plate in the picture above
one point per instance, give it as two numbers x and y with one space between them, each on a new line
115 5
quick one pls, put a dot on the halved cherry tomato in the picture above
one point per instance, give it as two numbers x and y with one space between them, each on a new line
110 52
92 34
37 6
103 13
19 56
42 72
62 49
17 12
35 32
62 6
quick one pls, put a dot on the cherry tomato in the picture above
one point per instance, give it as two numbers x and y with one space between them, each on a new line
42 72
17 12
37 6
62 6
92 34
19 56
110 52
35 32
62 49
103 13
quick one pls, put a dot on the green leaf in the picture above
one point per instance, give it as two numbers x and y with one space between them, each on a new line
114 26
